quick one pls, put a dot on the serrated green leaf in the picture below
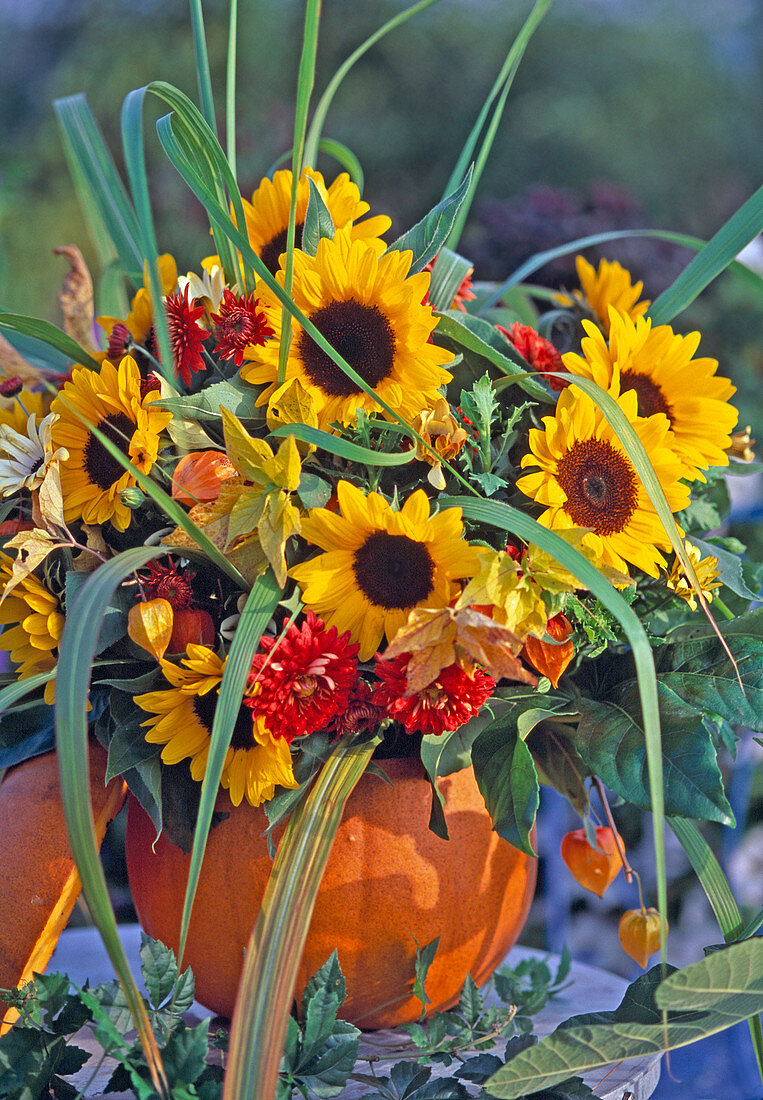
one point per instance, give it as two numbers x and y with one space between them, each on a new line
424 958
328 1071
427 237
323 995
185 1055
470 1001
159 968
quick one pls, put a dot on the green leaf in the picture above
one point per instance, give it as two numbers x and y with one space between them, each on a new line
114 623
313 491
506 777
743 227
323 995
99 182
729 566
203 77
344 448
479 336
611 743
728 986
711 877
470 1001
424 958
318 221
235 395
185 1056
46 333
159 968
448 273
327 1073
429 235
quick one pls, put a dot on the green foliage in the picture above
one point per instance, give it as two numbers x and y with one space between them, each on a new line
427 237
698 1001
318 221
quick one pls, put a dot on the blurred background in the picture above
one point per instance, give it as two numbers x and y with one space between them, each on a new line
624 113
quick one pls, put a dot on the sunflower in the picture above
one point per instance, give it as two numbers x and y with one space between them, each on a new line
182 717
367 308
33 621
587 480
267 216
379 564
91 479
658 365
610 285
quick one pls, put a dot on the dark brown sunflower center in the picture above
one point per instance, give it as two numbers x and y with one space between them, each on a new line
393 571
363 337
650 397
600 485
276 246
101 468
204 709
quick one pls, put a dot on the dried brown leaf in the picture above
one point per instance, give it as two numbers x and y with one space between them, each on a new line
76 297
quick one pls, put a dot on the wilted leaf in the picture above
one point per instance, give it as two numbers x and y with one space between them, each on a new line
49 503
293 404
149 624
13 364
247 453
76 297
33 547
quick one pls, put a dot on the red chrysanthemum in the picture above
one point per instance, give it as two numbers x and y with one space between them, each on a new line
307 682
186 334
539 352
239 325
120 342
445 704
164 581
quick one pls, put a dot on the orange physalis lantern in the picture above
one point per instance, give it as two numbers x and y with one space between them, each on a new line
593 869
199 475
149 624
640 934
551 658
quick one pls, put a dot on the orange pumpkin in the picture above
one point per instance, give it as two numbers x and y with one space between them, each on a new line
388 879
39 883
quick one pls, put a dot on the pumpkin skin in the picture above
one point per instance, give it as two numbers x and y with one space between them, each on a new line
39 883
388 879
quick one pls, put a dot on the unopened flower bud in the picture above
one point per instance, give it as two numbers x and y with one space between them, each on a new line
132 496
10 387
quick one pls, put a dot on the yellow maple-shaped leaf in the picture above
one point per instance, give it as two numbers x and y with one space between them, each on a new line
285 468
149 624
491 645
246 513
293 404
214 519
279 522
247 453
503 585
33 547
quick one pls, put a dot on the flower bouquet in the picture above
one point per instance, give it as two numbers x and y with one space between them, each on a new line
326 506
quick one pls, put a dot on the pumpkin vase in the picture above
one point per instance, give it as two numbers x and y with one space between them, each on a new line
389 883
39 883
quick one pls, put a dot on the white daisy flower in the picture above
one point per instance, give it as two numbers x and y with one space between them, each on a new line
24 459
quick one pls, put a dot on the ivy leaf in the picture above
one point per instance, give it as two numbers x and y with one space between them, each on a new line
318 222
159 968
470 1002
506 777
185 1055
424 957
480 1068
328 1071
27 1064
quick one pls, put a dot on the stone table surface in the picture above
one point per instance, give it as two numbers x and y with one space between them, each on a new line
81 955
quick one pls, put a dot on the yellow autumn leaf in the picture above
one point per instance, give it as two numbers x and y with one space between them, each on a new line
279 522
149 624
293 404
245 452
285 468
49 502
33 547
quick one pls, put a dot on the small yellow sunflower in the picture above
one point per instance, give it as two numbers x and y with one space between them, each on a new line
586 480
34 622
658 366
610 285
267 216
379 565
109 399
182 717
140 320
370 310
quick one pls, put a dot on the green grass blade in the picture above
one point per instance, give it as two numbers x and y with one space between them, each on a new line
46 333
11 693
230 87
75 658
540 259
506 518
711 877
95 170
344 448
202 64
319 117
260 605
305 82
345 157
715 257
501 90
258 1030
